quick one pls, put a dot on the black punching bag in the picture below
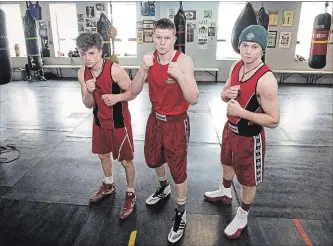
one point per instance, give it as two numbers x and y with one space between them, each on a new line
102 28
5 60
246 18
318 50
31 39
180 23
263 20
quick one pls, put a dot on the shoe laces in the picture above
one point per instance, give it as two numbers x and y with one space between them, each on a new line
177 220
159 191
128 199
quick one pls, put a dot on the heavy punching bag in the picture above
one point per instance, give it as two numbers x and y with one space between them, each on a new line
246 18
102 28
5 60
31 39
318 50
180 23
263 20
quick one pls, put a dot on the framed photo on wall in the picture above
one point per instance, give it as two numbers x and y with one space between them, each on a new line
285 40
147 35
271 39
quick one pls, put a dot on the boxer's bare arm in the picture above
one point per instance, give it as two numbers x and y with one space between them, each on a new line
267 92
142 74
120 77
187 81
87 98
224 93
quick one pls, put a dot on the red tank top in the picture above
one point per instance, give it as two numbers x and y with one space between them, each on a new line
165 94
116 116
247 98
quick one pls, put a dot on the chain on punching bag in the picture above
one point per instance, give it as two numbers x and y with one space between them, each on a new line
5 60
180 24
31 39
102 28
263 20
318 50
246 18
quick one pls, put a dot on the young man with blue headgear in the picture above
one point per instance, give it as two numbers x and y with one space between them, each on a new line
251 92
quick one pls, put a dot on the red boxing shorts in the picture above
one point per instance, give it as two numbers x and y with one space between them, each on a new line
245 154
166 141
119 141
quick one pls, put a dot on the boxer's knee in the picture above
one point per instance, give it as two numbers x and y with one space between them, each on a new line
104 157
127 163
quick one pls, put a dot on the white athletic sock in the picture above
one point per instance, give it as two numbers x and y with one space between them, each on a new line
130 190
108 180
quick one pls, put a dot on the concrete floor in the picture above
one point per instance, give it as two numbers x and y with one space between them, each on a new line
44 194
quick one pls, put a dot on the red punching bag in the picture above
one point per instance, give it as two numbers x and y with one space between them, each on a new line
318 50
246 18
180 24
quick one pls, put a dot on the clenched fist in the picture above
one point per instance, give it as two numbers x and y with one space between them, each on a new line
91 85
174 70
110 99
234 108
233 91
147 60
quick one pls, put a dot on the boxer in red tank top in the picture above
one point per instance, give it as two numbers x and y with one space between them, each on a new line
105 87
251 92
172 89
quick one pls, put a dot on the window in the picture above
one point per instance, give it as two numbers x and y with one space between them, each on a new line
124 19
64 27
228 14
14 24
309 11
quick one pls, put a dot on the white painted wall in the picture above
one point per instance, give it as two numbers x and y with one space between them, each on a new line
276 58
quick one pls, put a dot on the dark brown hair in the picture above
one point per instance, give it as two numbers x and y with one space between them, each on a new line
87 40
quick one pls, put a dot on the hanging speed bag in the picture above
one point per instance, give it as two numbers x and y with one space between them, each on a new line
102 28
180 23
318 50
246 18
31 39
5 60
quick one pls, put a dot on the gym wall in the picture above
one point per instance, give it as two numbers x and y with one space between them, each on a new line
276 58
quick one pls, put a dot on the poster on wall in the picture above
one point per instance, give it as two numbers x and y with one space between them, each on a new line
148 8
273 18
90 11
171 13
190 14
91 23
80 26
285 40
271 39
211 31
288 17
202 35
148 35
208 14
148 24
190 27
100 7
139 36
80 18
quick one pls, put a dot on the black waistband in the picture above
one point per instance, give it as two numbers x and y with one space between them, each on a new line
245 130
